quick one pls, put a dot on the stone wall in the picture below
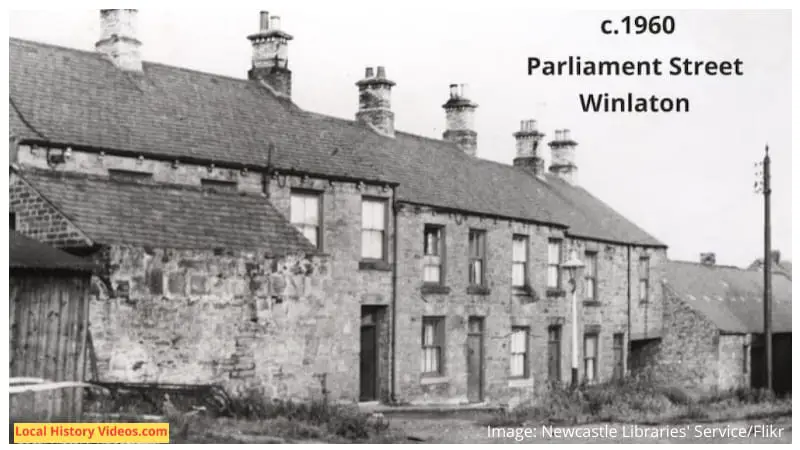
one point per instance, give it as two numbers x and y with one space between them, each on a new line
237 318
502 307
734 367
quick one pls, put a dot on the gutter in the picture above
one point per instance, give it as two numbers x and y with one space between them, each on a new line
629 300
393 387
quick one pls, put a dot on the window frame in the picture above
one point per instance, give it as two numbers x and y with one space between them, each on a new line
439 337
644 279
429 260
525 352
320 219
555 265
385 232
591 276
525 264
595 358
482 258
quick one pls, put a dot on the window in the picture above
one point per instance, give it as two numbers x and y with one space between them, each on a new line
619 355
554 353
519 352
129 175
477 257
590 274
644 279
519 257
12 220
432 345
305 215
590 357
553 263
433 248
373 229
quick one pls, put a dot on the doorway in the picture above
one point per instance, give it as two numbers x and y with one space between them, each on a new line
475 360
368 355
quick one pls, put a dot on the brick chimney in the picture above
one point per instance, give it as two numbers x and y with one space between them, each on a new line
271 55
528 154
118 38
562 161
460 116
708 259
375 101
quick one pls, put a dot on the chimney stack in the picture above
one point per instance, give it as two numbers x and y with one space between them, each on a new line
562 162
118 38
708 259
460 117
528 154
375 101
271 55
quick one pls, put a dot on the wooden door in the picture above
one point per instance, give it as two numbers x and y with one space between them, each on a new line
369 357
554 353
475 360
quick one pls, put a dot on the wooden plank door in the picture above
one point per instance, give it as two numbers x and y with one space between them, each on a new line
475 360
368 357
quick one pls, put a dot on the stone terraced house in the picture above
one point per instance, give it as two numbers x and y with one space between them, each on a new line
246 241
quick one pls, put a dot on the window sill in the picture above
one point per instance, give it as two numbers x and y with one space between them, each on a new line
429 380
555 292
374 265
592 303
520 382
478 290
434 289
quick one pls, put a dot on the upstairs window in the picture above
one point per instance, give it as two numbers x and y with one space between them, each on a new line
477 257
519 264
553 263
219 185
129 175
644 279
305 215
373 229
590 275
433 248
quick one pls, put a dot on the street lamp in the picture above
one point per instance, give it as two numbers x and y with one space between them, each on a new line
573 265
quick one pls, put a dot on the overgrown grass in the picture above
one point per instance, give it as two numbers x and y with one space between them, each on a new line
639 400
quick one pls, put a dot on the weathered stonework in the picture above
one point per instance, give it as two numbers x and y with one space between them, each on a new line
235 318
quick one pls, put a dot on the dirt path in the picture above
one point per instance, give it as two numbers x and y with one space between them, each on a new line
467 429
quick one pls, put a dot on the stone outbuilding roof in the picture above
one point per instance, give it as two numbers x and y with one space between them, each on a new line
136 213
730 297
61 96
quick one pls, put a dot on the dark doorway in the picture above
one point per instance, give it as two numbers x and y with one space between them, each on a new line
781 363
475 360
554 353
368 366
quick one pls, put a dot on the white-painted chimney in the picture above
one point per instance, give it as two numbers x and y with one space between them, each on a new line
118 38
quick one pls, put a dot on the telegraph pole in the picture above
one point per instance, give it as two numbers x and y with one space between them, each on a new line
766 191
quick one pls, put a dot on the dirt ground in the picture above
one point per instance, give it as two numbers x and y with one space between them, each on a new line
468 429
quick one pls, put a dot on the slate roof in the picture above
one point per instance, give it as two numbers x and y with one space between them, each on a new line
26 253
730 297
134 213
78 98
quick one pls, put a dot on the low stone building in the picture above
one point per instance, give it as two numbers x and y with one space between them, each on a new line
715 318
440 273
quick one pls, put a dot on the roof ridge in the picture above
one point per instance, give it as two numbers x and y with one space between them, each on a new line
152 185
709 266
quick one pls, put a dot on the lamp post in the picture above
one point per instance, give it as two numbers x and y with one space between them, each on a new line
573 265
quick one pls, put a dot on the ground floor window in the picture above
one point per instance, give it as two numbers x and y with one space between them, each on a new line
590 347
519 352
432 345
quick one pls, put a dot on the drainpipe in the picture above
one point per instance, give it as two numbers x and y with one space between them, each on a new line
629 307
393 396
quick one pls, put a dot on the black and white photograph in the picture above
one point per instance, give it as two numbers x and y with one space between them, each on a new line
309 222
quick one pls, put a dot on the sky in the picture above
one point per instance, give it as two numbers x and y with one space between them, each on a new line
686 178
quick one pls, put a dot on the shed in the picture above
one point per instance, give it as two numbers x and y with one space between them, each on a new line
48 322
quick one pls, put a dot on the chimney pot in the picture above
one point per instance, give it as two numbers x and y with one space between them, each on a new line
776 256
275 22
464 89
453 91
565 135
369 72
381 72
708 259
264 21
